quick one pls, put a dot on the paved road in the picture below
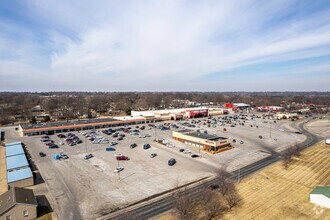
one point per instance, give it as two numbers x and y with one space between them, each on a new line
157 206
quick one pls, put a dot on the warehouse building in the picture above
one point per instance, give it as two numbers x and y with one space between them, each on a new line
17 204
17 167
14 149
206 142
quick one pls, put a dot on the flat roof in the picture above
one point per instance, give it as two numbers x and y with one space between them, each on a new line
185 131
17 175
16 162
323 190
67 123
14 150
205 136
13 143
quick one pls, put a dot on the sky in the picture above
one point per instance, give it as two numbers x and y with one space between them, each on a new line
172 45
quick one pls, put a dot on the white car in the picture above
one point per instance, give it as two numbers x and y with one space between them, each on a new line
142 136
187 151
281 129
118 155
118 169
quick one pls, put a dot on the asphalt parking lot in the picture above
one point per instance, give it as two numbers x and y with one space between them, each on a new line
90 188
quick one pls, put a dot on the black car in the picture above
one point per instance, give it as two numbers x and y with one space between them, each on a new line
181 150
133 145
53 146
42 154
194 156
61 136
171 162
120 138
146 146
88 156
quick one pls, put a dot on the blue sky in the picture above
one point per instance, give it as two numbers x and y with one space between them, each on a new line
173 45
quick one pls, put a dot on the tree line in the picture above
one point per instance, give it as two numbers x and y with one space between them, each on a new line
71 105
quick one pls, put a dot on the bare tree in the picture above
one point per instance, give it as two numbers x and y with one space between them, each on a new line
184 206
232 198
212 205
286 157
295 150
223 179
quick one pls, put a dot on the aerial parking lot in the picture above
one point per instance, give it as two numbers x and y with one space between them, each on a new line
93 187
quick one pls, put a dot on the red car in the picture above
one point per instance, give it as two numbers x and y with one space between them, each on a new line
122 158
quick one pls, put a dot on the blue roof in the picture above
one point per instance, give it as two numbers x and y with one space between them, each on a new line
13 143
17 175
16 162
14 150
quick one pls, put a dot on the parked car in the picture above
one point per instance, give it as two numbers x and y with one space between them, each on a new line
53 146
171 162
110 149
88 156
260 136
61 136
122 158
133 145
234 140
181 150
241 142
194 156
120 139
118 155
42 154
153 155
146 146
186 151
118 169
64 156
113 143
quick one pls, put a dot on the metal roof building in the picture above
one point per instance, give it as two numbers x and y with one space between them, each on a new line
16 162
13 143
18 175
13 150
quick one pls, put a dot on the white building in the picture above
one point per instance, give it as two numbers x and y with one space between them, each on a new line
320 196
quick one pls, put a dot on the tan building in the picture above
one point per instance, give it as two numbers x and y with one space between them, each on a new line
207 142
17 204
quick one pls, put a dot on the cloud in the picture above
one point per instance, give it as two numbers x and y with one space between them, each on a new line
162 45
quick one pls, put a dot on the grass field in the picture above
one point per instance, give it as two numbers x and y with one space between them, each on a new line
276 193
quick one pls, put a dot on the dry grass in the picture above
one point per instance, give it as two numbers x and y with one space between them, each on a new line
276 193
3 174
